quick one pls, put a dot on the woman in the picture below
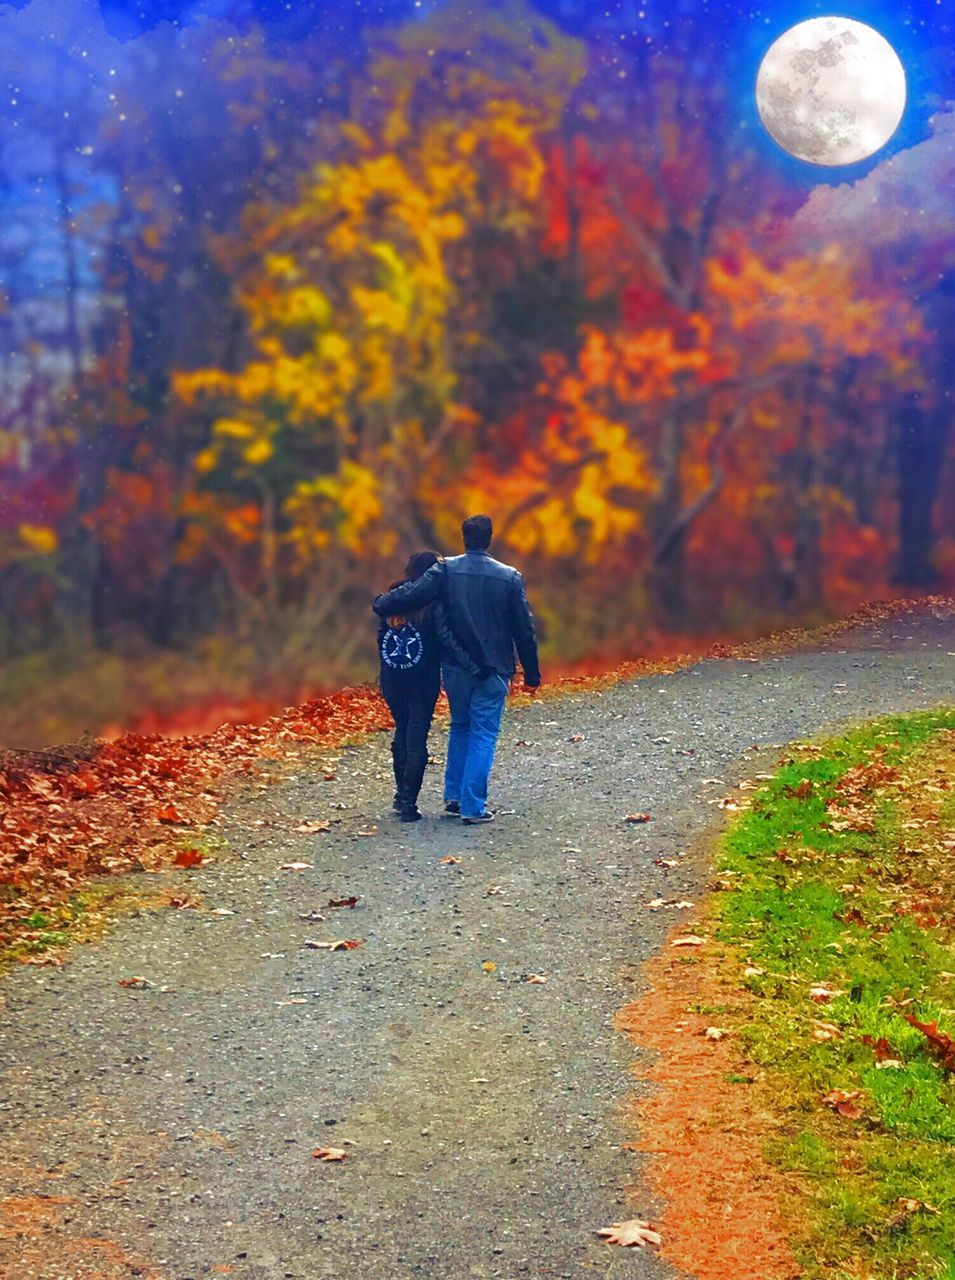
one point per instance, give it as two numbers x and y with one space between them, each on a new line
410 649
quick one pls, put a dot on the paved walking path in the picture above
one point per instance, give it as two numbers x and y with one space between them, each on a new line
481 1113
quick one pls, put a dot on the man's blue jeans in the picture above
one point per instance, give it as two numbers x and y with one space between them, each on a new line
476 707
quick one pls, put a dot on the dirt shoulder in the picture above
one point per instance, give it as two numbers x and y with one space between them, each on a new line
802 1123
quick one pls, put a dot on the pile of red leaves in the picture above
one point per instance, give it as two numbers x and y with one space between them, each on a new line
75 813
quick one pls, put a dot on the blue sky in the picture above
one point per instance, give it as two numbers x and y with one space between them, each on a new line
99 34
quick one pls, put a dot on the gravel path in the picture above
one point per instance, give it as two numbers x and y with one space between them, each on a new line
481 1113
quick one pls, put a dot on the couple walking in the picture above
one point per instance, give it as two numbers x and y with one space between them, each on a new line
462 619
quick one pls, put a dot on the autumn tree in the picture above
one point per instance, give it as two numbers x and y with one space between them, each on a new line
366 305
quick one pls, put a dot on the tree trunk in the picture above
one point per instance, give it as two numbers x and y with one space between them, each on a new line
668 573
921 448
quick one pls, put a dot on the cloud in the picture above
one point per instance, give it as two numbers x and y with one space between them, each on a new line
907 196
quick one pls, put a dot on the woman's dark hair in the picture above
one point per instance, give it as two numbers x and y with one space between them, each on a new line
420 563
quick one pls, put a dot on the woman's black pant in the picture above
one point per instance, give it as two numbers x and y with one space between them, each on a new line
411 702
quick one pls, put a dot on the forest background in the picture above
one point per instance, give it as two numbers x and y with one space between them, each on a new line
284 296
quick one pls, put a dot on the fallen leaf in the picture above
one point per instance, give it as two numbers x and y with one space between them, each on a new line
310 828
716 1033
631 1234
342 902
665 862
889 1064
753 971
883 1050
182 902
535 979
341 944
908 1205
941 1045
488 966
188 858
137 983
169 813
691 940
823 1031
576 737
657 902
844 1101
448 860
293 1000
367 831
822 994
221 911
331 1155
493 891
295 866
637 817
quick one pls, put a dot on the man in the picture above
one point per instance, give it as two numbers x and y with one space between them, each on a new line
488 612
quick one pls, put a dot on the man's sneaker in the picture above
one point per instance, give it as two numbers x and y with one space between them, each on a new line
410 813
452 809
479 821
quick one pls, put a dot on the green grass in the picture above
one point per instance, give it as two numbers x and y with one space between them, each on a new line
814 906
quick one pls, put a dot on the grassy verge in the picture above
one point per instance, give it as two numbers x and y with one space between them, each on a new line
839 884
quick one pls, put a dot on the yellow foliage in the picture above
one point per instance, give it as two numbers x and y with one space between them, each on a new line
258 452
205 461
40 538
233 428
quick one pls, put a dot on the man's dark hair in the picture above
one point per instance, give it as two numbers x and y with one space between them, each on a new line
477 531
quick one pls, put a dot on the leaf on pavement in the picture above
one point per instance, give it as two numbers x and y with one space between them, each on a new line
342 902
488 966
182 901
137 983
448 861
535 979
367 831
637 817
295 866
340 944
188 858
691 940
493 891
310 828
631 1234
331 1155
715 1033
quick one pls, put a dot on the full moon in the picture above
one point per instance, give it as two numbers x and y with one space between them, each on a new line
831 91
